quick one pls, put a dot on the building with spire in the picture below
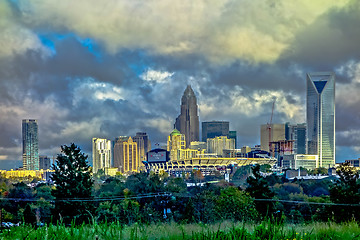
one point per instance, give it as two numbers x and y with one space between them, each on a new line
188 120
320 116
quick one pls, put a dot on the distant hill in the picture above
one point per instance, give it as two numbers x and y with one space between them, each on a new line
10 164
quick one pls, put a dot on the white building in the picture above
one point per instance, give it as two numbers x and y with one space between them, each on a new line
101 154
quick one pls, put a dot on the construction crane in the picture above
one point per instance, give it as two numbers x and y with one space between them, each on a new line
269 126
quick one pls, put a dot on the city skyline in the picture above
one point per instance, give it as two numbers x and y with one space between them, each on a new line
104 70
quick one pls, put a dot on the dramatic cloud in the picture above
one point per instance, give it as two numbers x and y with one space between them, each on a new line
221 30
107 68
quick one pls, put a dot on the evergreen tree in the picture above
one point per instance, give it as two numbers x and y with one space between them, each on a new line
258 188
29 215
73 185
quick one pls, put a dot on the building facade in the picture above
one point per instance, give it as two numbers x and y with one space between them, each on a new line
101 154
297 133
126 157
143 145
214 129
176 141
30 140
188 120
320 116
277 133
44 162
296 161
218 144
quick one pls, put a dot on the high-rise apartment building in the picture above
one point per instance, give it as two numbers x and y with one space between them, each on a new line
126 157
30 144
320 116
101 154
218 144
188 120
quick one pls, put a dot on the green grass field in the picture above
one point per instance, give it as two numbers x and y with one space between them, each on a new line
224 230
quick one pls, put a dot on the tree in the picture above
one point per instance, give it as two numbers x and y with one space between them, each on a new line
346 190
73 185
235 204
258 188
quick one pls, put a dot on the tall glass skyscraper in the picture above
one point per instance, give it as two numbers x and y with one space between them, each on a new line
30 144
320 116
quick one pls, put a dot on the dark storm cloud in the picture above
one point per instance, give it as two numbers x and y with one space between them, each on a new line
331 40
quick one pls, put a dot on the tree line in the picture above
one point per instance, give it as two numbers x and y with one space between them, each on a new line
77 197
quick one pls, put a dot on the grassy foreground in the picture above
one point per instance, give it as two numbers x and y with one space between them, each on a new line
224 230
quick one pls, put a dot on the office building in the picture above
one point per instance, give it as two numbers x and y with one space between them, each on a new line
214 129
126 157
297 133
143 146
320 116
44 162
101 154
30 151
188 120
233 135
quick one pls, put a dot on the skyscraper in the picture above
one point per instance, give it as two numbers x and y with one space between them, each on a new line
143 145
320 116
30 144
188 120
101 153
297 133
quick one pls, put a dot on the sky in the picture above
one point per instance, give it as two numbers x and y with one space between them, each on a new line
110 68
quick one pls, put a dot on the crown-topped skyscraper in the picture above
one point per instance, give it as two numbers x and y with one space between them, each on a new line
188 120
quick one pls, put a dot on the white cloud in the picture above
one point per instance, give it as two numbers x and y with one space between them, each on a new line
156 76
253 105
90 88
